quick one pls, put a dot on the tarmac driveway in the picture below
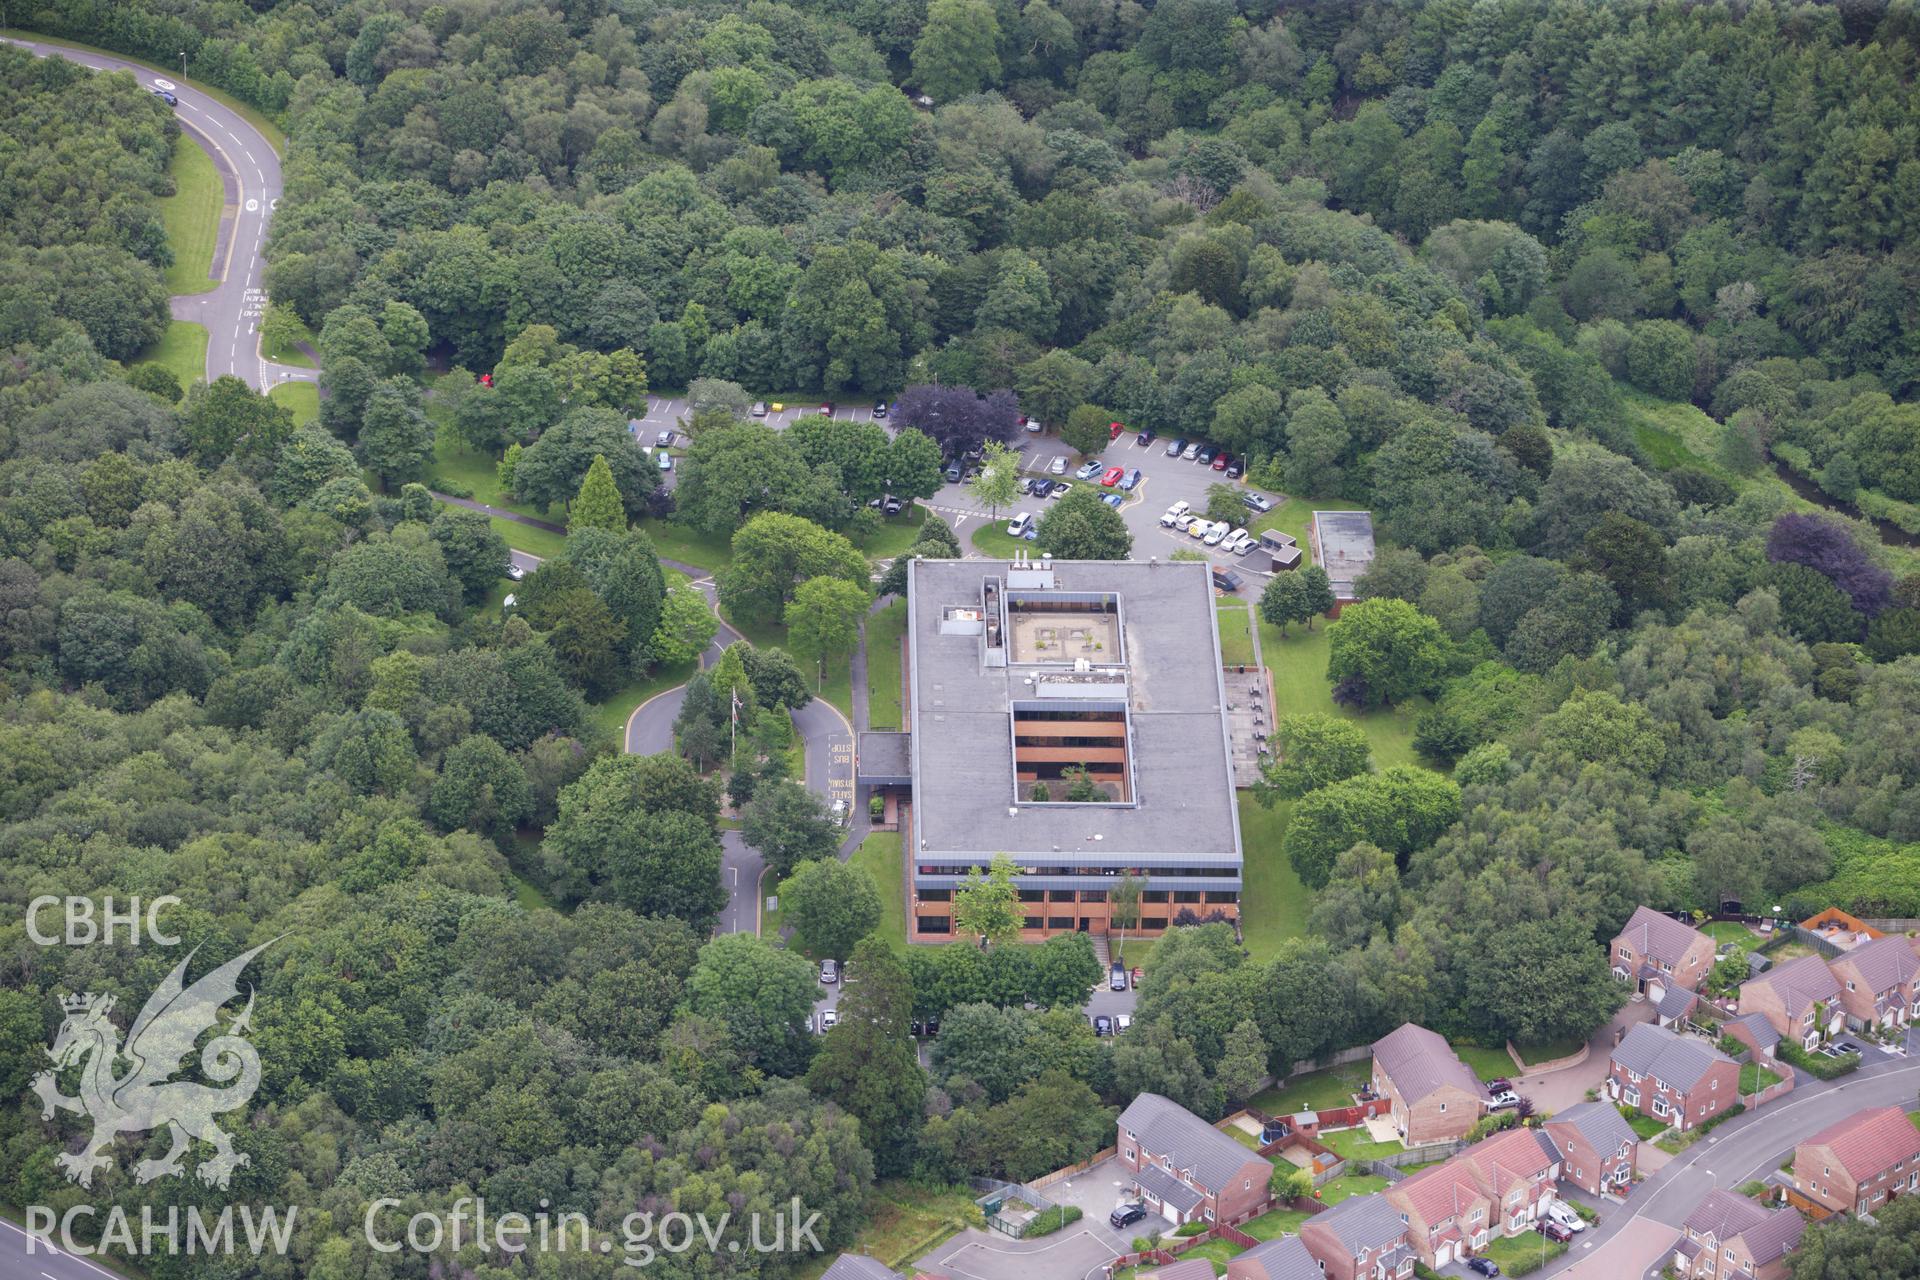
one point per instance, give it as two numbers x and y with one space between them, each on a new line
1095 1193
1077 1253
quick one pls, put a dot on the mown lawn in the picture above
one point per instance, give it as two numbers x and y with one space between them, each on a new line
1731 931
1271 1226
1754 1078
192 217
991 539
1236 633
1316 1090
290 353
879 856
1488 1064
1298 663
1273 902
535 542
674 541
1354 1144
303 398
1643 1124
1527 1247
884 631
1533 1054
183 349
1349 1185
895 535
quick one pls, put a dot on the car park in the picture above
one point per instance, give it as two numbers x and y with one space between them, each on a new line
1114 429
1126 1215
1206 455
1213 536
1257 501
1179 508
1132 480
1088 470
1112 476
1237 541
1102 1025
1146 436
759 409
1184 521
1175 448
829 970
1032 534
880 408
933 1026
1017 527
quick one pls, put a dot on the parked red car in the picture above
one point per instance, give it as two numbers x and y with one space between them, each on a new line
1114 430
1220 463
1112 476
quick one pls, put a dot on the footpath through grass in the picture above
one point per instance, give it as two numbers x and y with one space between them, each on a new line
192 217
183 349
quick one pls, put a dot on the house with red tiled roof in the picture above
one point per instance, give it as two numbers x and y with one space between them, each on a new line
1731 1236
1800 998
1657 953
1861 1162
1517 1169
1433 1095
1879 982
1448 1216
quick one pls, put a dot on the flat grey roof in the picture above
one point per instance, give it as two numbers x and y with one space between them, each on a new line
963 772
881 755
1345 540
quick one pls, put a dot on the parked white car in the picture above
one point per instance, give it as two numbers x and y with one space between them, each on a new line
1235 539
1213 536
1503 1101
1183 521
1561 1212
1058 467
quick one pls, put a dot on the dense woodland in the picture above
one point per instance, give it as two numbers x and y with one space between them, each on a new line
1547 286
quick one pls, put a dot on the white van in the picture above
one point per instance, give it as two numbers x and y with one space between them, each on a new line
1017 527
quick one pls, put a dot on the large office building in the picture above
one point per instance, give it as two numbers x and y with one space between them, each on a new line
1073 715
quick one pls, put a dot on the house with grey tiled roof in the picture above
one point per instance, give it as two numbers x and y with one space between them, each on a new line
1656 953
1879 982
1433 1095
858 1266
1361 1238
1754 1031
1676 1005
1185 1169
1599 1151
1283 1259
1682 1080
1730 1235
1801 998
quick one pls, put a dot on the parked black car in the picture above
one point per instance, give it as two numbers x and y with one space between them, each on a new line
1117 978
1483 1266
1146 436
1102 1025
1126 1215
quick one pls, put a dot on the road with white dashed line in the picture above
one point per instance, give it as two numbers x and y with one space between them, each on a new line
250 170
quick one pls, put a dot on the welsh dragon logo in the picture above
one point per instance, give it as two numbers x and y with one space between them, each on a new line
156 1046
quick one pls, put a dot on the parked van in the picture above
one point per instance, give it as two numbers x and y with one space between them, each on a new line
1017 527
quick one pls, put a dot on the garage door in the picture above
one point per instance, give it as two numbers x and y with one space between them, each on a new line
1170 1213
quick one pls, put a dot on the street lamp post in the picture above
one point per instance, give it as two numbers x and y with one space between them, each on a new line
183 64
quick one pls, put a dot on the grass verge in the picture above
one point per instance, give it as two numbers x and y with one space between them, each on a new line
884 632
290 353
303 398
183 349
192 217
1236 633
1273 902
879 856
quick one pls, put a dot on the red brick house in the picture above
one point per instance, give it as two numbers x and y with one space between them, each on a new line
1517 1169
1731 1236
1599 1150
1434 1096
1361 1238
1879 983
1679 1079
1801 998
1185 1169
1860 1163
1285 1258
1656 953
1754 1031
